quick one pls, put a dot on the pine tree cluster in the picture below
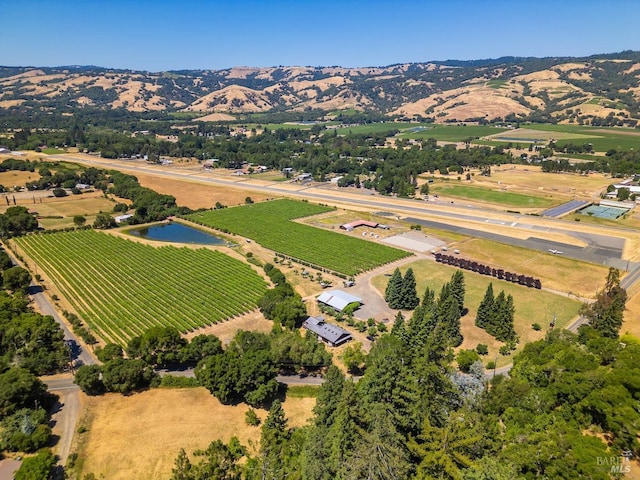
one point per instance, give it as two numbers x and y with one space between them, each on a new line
401 292
495 315
442 314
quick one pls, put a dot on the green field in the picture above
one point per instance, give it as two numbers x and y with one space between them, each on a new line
601 138
270 224
507 199
121 287
445 133
497 83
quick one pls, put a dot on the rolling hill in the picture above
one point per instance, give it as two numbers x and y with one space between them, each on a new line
601 89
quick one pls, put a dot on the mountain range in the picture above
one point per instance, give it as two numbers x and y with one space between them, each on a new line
586 90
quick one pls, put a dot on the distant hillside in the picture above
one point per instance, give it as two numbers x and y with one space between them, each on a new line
601 89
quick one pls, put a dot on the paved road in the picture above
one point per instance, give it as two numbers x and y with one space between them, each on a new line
66 413
8 467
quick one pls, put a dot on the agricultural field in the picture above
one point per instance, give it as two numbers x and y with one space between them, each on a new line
601 138
532 306
271 225
445 133
498 197
121 287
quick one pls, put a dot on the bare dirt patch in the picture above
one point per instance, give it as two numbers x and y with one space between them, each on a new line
139 436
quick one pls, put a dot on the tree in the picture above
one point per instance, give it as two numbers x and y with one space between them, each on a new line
399 329
17 221
485 308
448 313
109 352
291 312
59 192
248 201
393 292
353 358
16 279
38 467
104 221
273 441
89 379
458 289
408 296
79 220
466 358
445 451
424 189
606 313
125 376
19 388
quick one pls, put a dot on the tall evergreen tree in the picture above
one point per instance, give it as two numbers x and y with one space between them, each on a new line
606 313
449 314
458 288
273 442
328 397
429 298
393 292
398 329
409 296
485 307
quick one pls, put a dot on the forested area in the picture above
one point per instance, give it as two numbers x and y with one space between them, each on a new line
30 345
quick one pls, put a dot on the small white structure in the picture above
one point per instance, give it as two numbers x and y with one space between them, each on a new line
83 186
123 218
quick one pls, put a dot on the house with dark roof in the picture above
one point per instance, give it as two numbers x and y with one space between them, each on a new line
329 333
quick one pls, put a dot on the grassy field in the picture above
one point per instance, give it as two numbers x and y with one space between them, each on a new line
507 199
452 133
601 138
270 224
121 287
138 437
556 272
532 306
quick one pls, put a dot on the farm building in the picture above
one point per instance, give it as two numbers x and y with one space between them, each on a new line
331 334
337 299
361 223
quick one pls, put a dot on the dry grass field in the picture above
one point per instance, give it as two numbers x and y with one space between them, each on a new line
530 179
59 212
532 306
15 178
556 272
632 314
139 436
197 195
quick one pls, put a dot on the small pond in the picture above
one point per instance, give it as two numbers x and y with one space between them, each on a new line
178 233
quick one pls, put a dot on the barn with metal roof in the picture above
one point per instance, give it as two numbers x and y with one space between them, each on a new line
338 299
329 333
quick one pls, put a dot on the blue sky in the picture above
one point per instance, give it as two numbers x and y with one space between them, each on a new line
199 34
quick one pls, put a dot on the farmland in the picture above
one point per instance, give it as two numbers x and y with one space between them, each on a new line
508 199
121 287
271 225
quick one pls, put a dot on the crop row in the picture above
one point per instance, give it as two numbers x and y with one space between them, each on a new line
121 287
270 224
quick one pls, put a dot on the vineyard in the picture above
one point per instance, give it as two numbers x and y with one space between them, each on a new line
121 287
270 224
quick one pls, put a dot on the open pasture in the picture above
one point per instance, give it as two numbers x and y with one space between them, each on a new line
271 225
450 133
531 306
121 287
531 179
498 197
140 436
